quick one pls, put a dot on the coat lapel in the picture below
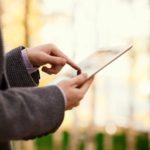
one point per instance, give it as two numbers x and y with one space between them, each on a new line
1 58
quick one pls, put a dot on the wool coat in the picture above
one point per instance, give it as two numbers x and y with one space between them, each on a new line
26 111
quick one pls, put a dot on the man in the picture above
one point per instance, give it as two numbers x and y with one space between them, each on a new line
27 111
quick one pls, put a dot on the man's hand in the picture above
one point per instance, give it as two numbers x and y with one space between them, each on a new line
75 89
49 54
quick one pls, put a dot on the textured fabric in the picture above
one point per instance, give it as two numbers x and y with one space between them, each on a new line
32 70
25 110
5 146
64 96
16 71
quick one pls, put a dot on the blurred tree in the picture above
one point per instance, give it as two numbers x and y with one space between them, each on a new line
65 140
0 11
26 25
12 20
119 142
142 141
45 143
99 141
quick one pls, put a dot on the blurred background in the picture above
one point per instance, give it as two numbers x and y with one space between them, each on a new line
115 113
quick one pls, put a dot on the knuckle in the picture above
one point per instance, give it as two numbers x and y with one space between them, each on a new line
61 62
51 45
55 71
80 95
82 79
77 104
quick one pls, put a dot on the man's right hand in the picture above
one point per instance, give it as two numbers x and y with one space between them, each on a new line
75 89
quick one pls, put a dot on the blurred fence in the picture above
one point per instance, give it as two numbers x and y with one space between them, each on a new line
118 141
98 141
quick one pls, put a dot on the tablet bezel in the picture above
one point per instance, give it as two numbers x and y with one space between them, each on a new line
112 60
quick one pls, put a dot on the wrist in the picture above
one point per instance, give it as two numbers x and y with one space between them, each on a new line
27 62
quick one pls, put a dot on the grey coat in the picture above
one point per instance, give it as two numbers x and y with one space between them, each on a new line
26 111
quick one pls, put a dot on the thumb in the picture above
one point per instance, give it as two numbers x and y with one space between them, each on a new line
79 80
87 84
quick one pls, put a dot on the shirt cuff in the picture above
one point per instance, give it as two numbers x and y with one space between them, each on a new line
65 98
56 81
27 62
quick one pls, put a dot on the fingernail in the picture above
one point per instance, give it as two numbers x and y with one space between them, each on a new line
78 72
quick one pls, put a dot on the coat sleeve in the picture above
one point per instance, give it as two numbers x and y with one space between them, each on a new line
16 71
27 113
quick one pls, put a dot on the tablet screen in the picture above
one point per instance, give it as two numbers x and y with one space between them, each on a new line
99 60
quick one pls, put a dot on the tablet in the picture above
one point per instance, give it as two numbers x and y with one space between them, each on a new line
97 61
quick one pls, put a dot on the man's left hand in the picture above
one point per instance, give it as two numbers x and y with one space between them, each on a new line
49 54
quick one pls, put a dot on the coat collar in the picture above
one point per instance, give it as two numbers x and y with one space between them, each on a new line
1 58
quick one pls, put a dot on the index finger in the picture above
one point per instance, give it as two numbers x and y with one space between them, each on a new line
58 52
